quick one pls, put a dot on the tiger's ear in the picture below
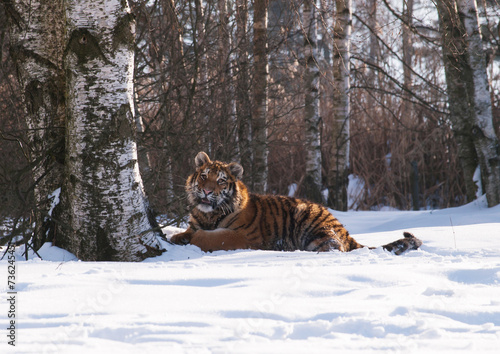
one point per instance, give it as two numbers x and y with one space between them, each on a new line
236 170
201 159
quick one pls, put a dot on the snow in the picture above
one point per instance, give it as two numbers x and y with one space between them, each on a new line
443 298
54 200
477 180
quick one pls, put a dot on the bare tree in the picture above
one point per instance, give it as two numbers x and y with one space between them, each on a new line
312 119
408 116
407 45
103 204
260 97
485 139
37 35
337 186
243 101
469 99
177 79
224 101
458 75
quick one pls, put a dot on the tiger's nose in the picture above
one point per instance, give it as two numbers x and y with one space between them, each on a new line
207 192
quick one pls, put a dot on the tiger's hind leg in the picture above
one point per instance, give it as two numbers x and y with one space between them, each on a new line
331 241
324 244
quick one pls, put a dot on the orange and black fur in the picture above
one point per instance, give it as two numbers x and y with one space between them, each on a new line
226 216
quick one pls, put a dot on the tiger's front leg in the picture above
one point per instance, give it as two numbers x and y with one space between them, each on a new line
220 240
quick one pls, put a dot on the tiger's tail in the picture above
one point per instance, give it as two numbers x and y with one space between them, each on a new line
409 242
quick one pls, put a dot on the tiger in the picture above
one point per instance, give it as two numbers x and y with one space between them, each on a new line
226 216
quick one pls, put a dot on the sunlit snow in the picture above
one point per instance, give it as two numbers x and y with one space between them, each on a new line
442 298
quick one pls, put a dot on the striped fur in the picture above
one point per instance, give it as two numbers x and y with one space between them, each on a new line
226 216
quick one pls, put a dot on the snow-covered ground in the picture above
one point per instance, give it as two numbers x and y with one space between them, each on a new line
442 298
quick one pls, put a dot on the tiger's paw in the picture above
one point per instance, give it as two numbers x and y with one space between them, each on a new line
183 238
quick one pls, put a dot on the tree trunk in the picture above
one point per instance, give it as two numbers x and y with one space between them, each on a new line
458 79
484 137
103 201
374 51
260 89
225 109
177 78
243 101
201 74
312 181
407 116
176 47
407 50
469 99
337 190
37 39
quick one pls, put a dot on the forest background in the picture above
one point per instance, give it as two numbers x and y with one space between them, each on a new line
199 73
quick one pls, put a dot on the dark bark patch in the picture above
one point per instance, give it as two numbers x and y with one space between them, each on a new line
73 180
122 125
123 33
20 54
105 250
477 132
34 97
55 90
85 46
312 192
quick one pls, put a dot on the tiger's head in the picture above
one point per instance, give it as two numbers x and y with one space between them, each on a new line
215 186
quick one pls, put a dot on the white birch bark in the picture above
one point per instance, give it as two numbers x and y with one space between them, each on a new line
107 208
485 139
37 42
342 41
260 97
311 107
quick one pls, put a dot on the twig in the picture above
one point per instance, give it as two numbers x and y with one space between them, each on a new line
454 236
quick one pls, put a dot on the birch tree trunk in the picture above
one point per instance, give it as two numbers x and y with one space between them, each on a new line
260 97
311 107
485 139
243 100
337 191
459 90
103 198
374 51
37 39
